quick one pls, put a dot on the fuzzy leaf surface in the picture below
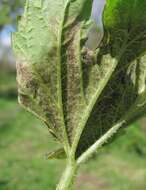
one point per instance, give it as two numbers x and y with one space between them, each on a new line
80 93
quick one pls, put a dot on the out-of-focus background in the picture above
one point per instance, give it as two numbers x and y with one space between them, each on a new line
24 140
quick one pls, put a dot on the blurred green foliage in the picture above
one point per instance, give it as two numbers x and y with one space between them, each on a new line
8 87
9 9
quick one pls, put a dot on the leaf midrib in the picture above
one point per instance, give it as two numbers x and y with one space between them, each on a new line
89 108
59 74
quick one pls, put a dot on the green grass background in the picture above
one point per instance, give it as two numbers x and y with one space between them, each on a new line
24 141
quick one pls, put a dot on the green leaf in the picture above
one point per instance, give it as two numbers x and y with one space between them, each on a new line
78 91
125 14
125 38
48 34
125 22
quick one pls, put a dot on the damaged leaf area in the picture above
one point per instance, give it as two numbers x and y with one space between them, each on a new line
78 92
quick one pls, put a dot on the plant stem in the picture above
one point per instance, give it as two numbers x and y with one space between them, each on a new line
90 151
66 182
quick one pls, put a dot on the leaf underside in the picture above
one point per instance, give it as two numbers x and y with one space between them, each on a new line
67 85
